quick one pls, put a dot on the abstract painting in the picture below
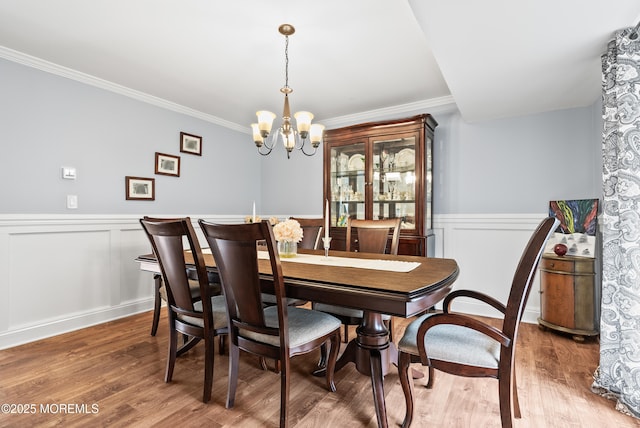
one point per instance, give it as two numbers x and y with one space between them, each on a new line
578 225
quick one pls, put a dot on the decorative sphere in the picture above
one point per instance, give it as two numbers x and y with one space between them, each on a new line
560 249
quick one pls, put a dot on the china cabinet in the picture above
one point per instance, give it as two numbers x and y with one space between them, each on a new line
382 170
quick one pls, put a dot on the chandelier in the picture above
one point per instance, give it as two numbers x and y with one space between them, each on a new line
291 138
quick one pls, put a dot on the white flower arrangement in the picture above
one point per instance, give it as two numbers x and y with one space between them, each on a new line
250 219
288 231
273 221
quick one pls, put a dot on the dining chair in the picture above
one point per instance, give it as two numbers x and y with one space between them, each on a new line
370 236
278 332
461 345
203 319
160 293
311 232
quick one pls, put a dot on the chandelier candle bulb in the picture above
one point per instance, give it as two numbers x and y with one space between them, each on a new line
265 122
257 135
316 131
303 120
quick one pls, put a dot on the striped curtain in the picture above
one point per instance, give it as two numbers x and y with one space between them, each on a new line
618 376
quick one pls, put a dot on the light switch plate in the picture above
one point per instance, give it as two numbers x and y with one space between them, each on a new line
72 202
68 173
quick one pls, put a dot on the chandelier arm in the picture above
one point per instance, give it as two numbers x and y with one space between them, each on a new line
273 137
315 149
267 153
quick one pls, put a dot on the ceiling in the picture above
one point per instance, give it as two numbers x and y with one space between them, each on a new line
348 60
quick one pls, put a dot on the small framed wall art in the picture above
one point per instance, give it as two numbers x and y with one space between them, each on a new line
190 143
140 188
167 164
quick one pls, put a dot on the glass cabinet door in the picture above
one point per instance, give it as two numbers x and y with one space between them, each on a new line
394 180
347 181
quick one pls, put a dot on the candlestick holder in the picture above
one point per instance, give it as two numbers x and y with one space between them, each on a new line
327 244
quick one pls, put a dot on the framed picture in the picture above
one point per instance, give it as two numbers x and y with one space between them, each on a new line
190 144
140 188
167 164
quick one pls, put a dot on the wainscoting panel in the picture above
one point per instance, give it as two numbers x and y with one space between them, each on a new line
487 249
44 284
64 272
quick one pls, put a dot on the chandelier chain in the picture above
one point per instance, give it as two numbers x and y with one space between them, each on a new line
286 62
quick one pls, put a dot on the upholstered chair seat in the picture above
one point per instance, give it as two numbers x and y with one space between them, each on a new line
304 326
219 311
453 343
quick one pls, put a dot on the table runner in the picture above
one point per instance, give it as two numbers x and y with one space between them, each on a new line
313 259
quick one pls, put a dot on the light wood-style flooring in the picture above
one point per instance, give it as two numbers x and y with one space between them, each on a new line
116 371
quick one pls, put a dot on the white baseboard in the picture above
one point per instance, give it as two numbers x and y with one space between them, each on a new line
43 330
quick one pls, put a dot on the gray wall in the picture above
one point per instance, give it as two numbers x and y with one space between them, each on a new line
513 166
516 165
510 166
48 121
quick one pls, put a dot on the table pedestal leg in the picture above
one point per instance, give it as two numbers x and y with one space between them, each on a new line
373 356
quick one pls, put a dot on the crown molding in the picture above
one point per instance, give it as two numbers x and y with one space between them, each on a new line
69 73
436 105
444 104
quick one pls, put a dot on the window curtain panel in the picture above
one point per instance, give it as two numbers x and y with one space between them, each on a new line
618 376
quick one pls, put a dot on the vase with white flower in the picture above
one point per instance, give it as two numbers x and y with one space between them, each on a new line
288 233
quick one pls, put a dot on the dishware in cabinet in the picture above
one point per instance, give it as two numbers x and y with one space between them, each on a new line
382 170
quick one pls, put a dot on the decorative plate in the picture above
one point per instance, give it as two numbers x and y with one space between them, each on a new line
405 158
356 162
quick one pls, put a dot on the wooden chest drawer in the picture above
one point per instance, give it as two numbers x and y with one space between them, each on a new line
567 264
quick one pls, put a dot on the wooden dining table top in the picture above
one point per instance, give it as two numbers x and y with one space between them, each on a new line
401 294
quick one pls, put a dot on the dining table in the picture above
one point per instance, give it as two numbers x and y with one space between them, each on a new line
396 285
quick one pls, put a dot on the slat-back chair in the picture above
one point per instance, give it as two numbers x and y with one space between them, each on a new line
278 332
464 346
203 319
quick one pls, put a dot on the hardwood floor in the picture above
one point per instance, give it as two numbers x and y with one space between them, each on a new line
116 371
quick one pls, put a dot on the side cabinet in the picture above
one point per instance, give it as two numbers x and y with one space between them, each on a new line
568 295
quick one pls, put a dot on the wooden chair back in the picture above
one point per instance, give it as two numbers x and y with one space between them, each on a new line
167 237
312 229
235 249
524 274
373 235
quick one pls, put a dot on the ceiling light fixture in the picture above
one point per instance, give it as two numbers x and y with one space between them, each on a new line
291 138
